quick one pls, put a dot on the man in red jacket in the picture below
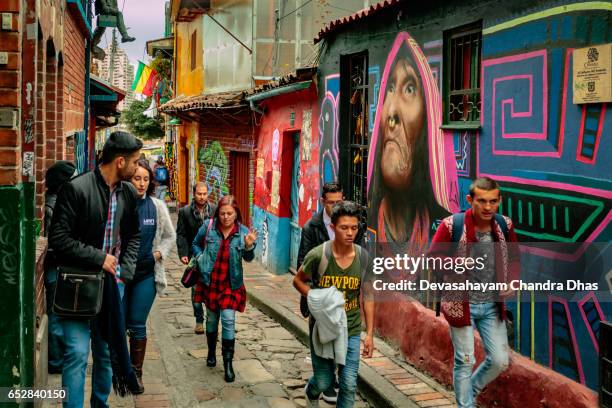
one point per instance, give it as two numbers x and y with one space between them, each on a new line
486 234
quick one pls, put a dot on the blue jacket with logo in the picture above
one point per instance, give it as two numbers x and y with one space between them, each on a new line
206 252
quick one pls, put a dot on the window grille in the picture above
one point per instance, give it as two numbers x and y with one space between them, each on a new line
462 99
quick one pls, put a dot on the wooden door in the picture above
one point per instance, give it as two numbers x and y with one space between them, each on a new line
239 168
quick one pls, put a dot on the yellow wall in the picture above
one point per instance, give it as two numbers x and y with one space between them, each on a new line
188 81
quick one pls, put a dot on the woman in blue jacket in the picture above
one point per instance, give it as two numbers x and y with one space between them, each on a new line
219 247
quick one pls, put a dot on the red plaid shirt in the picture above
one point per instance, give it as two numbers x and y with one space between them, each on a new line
219 295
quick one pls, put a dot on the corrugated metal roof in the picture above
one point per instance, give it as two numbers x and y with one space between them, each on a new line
341 22
233 99
301 74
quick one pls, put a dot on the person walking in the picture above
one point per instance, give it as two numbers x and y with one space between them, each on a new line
220 246
342 264
156 238
58 174
315 232
492 235
95 227
161 175
190 219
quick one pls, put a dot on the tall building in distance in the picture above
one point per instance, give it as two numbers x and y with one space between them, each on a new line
117 70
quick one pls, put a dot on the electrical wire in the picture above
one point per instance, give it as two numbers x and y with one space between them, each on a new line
288 14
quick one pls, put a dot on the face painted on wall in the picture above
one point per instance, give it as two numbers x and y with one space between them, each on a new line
403 117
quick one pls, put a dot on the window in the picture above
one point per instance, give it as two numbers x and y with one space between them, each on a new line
194 40
462 100
354 126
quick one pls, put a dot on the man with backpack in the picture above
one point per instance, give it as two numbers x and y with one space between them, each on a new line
161 176
481 232
316 231
342 264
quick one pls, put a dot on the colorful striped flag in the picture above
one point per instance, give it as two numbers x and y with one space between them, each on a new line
144 80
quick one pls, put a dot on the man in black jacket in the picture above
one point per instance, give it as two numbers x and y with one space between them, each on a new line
190 219
317 231
93 210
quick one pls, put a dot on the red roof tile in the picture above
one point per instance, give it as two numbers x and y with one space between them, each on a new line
341 22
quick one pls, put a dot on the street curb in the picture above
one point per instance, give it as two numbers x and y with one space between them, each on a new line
378 391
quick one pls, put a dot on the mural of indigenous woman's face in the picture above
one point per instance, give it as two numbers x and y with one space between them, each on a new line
402 121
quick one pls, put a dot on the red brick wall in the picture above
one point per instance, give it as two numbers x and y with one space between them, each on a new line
41 145
73 94
10 78
237 136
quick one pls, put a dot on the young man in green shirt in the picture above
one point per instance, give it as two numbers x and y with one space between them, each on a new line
345 270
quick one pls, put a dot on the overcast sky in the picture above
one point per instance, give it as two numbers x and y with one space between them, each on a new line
145 21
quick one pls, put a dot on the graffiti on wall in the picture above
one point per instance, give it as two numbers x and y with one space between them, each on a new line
406 145
328 134
216 169
9 242
172 173
546 152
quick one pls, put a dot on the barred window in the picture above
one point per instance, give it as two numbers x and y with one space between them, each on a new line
358 134
462 68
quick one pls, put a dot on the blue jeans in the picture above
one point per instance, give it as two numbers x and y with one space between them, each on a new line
324 372
55 341
137 302
198 309
492 330
228 323
77 334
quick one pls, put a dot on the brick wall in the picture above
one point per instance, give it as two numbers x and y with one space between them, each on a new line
234 135
73 95
10 79
40 132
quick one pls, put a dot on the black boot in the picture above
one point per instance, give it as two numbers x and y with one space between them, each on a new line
137 355
211 340
227 350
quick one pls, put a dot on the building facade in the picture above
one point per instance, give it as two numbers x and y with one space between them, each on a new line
122 75
480 89
44 117
225 48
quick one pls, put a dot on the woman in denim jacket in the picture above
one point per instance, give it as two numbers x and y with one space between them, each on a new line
219 247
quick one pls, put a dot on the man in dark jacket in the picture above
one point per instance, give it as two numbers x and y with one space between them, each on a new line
190 219
317 231
93 210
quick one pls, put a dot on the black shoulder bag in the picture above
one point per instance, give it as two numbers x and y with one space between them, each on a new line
78 292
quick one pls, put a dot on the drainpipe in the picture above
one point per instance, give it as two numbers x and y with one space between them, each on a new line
255 108
298 86
87 102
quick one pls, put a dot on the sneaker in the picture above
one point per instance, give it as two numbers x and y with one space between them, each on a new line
199 328
330 395
310 403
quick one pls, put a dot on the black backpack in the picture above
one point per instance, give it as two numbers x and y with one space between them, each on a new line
322 267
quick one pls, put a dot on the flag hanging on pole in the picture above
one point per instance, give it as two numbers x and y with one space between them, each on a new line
144 80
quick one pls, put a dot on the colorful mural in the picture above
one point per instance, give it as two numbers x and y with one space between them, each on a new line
216 169
411 171
172 171
547 153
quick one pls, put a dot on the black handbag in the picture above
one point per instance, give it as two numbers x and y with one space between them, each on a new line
191 275
78 292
